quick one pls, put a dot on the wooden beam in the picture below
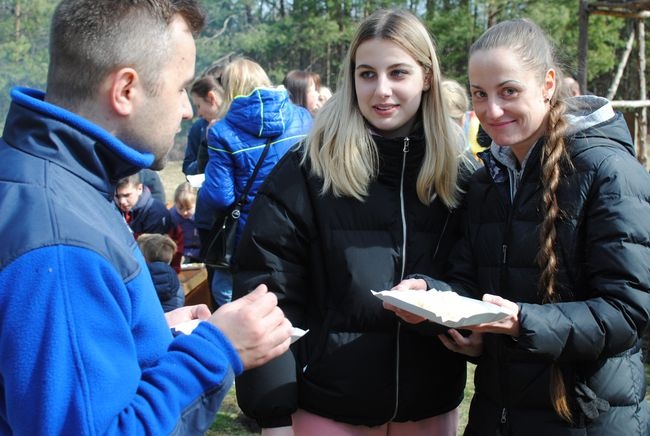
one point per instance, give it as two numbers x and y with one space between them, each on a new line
630 104
643 113
583 44
621 66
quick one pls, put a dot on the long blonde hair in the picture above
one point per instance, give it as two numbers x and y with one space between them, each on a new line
537 54
340 148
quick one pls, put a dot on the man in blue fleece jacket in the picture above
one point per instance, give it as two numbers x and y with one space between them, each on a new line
84 346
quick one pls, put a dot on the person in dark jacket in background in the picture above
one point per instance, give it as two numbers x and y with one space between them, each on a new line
145 214
207 95
557 233
151 180
255 113
355 209
158 251
195 137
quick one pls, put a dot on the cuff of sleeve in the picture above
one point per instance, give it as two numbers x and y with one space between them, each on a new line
215 336
431 282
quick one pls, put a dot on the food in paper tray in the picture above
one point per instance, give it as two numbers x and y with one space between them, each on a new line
444 307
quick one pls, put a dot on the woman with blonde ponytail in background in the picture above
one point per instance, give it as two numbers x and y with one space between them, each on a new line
557 221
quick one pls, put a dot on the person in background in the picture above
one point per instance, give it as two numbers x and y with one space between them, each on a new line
368 198
455 95
142 212
303 89
207 94
151 180
324 94
145 214
557 234
254 113
195 137
158 251
85 346
182 214
572 86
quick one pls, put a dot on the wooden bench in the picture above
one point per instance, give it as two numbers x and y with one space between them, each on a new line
194 279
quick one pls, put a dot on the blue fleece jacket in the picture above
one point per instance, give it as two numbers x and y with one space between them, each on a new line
84 345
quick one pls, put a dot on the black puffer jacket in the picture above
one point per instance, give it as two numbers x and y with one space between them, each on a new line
603 247
322 255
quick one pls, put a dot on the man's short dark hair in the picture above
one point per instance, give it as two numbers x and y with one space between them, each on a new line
91 38
133 180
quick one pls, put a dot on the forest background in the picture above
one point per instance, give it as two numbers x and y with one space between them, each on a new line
314 34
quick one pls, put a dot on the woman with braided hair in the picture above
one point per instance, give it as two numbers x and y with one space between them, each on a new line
557 231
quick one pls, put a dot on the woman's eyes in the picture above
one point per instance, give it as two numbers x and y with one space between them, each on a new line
396 74
505 92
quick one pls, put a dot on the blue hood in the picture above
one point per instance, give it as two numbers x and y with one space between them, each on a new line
263 113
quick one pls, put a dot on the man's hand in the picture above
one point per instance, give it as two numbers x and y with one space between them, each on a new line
187 313
256 327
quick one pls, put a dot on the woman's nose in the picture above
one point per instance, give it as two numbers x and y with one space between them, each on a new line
383 88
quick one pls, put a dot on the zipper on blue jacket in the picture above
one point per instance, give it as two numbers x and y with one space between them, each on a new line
405 151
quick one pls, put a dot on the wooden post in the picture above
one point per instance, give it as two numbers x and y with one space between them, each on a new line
583 44
643 113
621 67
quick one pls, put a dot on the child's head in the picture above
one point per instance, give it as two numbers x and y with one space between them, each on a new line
207 95
185 200
156 247
241 77
456 98
128 191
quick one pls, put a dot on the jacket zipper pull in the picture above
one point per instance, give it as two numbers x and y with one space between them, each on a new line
504 415
504 251
406 145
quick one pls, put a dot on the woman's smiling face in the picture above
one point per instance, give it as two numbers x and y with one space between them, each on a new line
510 101
389 83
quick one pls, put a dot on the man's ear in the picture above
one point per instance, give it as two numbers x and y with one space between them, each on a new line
124 89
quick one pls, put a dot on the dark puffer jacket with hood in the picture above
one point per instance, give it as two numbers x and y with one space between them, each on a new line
603 249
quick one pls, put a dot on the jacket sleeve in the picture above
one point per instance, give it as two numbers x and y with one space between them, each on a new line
191 150
85 353
218 190
274 249
615 239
